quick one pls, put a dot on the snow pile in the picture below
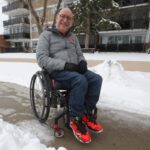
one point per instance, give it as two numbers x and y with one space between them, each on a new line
13 138
123 89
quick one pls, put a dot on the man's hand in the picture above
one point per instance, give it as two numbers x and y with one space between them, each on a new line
82 66
71 67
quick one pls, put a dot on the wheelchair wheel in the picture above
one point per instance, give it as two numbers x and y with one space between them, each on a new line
40 96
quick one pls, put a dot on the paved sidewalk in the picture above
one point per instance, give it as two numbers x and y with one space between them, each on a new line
120 133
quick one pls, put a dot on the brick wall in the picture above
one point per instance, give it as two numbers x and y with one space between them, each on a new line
3 43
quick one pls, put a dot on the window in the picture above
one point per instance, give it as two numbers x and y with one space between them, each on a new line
34 43
125 39
53 10
138 39
40 12
117 39
34 29
114 39
111 40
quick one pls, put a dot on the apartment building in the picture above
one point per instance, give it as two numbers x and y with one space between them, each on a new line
17 27
20 29
134 35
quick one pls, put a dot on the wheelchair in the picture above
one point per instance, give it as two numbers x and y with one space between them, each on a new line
45 95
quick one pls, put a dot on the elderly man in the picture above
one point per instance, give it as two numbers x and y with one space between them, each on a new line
59 52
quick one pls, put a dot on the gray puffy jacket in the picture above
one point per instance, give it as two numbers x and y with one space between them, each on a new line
54 50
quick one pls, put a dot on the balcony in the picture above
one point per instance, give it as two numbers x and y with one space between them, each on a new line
22 35
68 2
9 1
134 24
131 2
14 49
16 21
15 8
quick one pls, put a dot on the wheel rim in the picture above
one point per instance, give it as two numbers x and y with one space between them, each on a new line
39 96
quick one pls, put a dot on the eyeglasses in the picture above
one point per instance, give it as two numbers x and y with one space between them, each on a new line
68 18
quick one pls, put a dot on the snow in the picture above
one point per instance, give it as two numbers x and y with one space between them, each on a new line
115 4
14 138
122 90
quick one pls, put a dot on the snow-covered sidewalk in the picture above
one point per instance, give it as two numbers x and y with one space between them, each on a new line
121 90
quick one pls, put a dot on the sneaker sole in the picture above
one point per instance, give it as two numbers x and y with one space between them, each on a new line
79 138
97 132
94 130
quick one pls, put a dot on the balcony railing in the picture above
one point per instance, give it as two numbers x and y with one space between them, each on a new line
14 49
17 36
135 24
13 6
131 2
68 1
134 47
16 21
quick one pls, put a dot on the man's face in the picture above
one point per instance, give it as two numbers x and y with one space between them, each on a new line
64 20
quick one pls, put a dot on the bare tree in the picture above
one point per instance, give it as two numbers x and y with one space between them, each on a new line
40 20
57 9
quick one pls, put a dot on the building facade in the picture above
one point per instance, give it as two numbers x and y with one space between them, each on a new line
21 30
134 35
17 27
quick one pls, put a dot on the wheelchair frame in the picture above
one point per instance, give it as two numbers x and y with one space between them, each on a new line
43 97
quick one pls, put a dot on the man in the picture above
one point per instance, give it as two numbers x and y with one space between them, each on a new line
59 52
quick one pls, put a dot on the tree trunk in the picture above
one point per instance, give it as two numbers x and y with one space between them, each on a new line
43 19
96 40
39 20
58 7
147 39
87 33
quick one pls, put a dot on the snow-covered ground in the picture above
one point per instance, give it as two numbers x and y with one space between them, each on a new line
124 90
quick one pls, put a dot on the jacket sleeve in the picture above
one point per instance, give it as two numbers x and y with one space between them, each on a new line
44 59
79 51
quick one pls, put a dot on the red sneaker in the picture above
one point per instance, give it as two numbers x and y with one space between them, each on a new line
79 130
90 122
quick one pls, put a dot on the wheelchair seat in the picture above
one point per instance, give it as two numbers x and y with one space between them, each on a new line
56 85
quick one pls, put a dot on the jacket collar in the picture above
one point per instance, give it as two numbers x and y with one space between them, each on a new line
54 30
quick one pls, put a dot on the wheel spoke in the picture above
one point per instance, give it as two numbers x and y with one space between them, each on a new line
39 97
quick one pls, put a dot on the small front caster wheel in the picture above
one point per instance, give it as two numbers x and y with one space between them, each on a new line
59 133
